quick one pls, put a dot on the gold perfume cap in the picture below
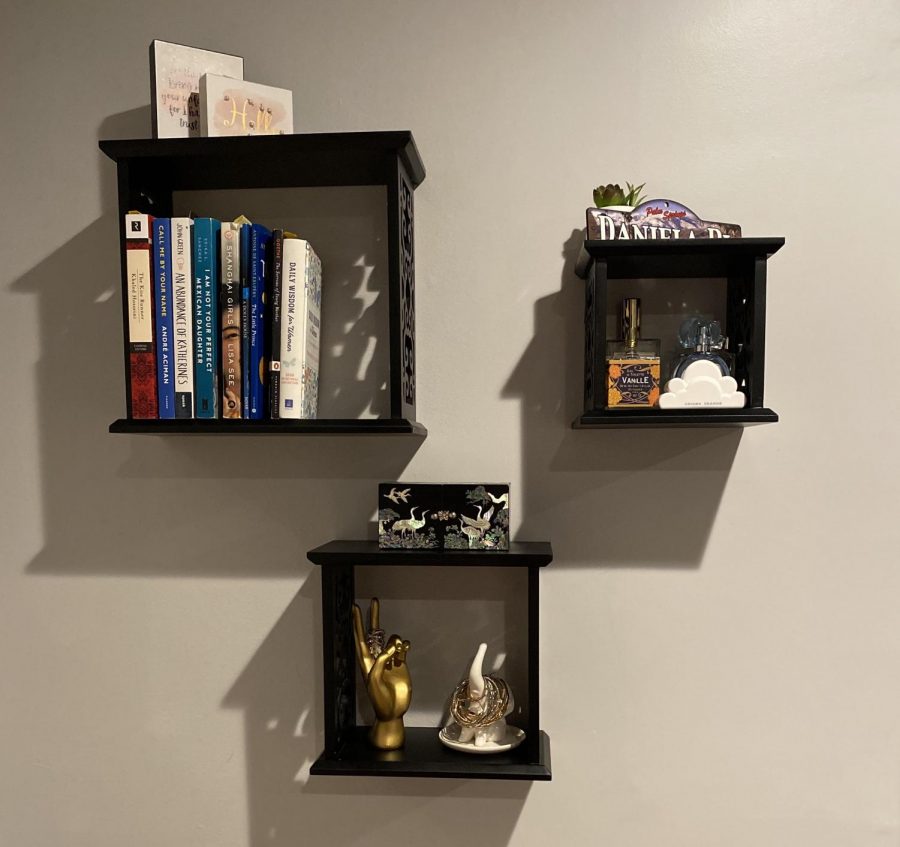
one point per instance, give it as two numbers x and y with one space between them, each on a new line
631 320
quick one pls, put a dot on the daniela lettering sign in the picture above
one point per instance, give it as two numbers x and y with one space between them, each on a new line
654 219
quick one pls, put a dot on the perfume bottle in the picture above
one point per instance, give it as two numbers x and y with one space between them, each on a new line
702 340
632 364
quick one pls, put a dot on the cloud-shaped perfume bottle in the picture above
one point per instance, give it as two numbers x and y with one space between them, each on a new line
702 385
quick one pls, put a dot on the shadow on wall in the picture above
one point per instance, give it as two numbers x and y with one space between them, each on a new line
642 498
284 734
132 505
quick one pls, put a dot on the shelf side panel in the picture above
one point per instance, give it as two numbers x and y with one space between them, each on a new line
758 361
338 656
533 739
595 336
745 327
124 200
401 290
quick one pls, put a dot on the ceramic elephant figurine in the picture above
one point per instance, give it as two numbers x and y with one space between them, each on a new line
480 704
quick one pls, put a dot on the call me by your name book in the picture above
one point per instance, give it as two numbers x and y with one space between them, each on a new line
224 320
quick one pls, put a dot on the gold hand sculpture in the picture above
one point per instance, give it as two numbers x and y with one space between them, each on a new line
386 675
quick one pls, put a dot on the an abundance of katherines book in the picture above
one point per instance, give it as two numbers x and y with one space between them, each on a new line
224 320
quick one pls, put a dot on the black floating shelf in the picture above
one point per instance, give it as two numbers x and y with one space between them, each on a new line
347 748
641 418
423 755
740 264
151 171
360 553
333 426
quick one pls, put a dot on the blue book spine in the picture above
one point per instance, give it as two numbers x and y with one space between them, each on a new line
260 242
206 348
245 321
162 283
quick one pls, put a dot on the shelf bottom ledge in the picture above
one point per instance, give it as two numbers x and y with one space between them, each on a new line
632 418
423 755
319 426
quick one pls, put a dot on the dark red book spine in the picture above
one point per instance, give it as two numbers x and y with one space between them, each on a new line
140 329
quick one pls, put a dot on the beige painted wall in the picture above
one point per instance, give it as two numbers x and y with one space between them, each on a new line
721 641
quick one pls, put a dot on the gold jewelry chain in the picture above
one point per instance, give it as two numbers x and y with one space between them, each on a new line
495 700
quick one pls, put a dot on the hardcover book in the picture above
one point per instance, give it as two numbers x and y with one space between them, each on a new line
236 107
175 72
182 245
301 308
275 324
206 348
162 262
260 244
230 322
144 402
245 320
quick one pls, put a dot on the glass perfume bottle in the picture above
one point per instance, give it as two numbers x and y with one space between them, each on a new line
632 364
702 340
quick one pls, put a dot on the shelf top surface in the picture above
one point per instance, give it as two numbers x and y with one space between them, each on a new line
677 246
702 257
361 553
423 755
360 152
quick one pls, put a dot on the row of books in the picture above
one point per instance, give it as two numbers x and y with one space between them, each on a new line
224 319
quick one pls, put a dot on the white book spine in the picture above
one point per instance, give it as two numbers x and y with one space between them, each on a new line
312 341
293 328
183 317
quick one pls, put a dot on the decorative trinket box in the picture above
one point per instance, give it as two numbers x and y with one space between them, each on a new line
450 517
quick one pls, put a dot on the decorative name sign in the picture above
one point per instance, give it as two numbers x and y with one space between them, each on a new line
654 219
235 107
175 72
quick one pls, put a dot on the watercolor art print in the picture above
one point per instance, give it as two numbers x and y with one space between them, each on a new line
175 72
236 107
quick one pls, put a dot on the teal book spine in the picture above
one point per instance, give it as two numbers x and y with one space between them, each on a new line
206 312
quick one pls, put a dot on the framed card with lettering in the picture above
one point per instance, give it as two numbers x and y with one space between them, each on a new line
236 107
175 72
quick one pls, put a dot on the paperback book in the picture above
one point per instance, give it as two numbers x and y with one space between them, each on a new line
275 324
245 320
230 322
144 402
206 354
182 244
260 243
162 259
300 329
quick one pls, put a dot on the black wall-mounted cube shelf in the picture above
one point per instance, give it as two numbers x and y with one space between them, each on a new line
347 750
740 261
151 170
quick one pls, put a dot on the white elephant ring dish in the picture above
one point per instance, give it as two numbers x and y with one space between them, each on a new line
478 709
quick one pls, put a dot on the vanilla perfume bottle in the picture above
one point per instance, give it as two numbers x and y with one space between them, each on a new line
632 364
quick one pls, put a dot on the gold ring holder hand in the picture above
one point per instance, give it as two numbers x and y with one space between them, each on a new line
386 674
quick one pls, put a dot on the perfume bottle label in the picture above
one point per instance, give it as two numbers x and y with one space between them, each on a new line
633 383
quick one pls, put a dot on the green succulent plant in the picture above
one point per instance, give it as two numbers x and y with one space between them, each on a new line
613 195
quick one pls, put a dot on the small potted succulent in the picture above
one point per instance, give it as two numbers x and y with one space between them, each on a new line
614 199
